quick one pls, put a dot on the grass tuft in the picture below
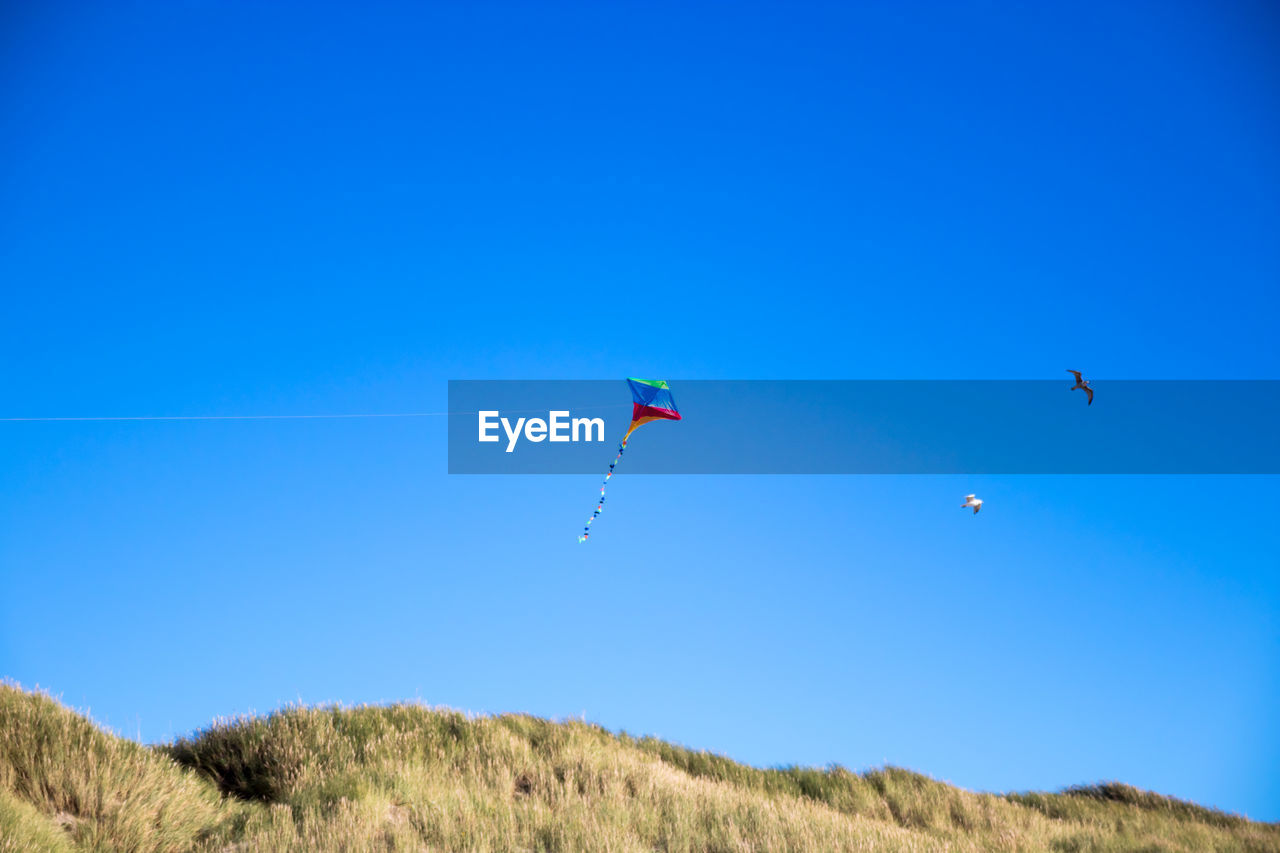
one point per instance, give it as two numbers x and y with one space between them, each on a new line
408 777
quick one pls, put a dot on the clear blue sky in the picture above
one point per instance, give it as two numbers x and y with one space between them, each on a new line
211 208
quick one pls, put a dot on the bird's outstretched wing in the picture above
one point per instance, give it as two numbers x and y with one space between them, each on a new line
1089 393
1077 375
976 507
968 498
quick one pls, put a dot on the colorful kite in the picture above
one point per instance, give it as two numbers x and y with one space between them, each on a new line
651 400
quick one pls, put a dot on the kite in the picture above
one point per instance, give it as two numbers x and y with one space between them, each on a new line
651 400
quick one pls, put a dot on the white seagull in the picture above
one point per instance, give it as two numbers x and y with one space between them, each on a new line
1082 383
973 501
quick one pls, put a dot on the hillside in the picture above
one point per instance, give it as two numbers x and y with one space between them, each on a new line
406 777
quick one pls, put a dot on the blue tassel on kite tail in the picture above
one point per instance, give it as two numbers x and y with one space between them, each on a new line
586 531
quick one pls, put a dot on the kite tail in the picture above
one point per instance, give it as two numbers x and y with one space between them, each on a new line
586 531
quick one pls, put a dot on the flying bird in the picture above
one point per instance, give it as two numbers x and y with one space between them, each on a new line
973 501
1082 383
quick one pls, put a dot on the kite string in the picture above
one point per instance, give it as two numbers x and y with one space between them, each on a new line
282 417
586 531
241 417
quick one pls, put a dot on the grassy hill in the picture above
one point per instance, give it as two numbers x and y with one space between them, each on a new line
406 777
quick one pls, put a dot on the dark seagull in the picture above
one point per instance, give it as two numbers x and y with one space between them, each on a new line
1083 383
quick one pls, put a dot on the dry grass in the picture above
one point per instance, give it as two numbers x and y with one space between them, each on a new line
406 777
